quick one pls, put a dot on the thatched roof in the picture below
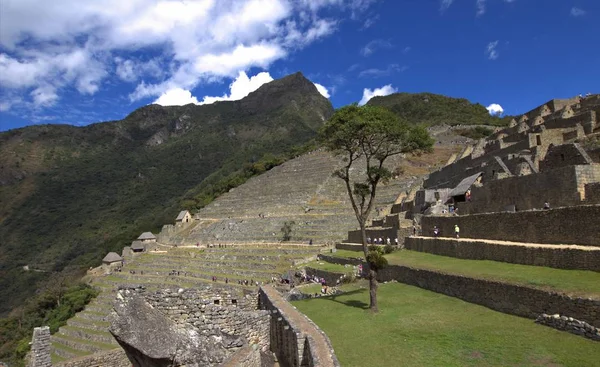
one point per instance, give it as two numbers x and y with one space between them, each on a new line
137 245
464 185
112 257
147 236
181 215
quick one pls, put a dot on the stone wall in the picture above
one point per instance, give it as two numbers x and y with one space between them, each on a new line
577 225
592 193
247 356
508 298
570 325
561 258
560 187
232 313
295 339
40 348
331 278
343 260
564 155
112 358
378 232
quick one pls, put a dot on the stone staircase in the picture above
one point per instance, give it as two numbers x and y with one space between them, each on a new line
302 190
87 332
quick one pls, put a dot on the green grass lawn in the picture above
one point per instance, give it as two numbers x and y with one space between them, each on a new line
573 282
416 327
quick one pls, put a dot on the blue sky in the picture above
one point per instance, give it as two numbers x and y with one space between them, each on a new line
78 62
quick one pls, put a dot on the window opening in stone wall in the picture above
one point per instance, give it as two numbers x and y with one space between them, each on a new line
562 157
538 139
234 302
216 302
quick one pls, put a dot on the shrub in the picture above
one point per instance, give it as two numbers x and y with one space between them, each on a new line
388 249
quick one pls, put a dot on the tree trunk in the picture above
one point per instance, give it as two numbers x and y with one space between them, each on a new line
372 273
373 291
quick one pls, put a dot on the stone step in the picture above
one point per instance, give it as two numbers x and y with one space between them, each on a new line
87 334
80 344
82 323
93 316
64 352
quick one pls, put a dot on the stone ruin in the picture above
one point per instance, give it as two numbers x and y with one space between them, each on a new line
186 328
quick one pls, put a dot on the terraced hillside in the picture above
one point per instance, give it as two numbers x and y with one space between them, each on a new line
186 267
301 190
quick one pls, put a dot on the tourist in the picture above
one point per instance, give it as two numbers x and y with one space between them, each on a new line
396 241
468 195
546 205
369 240
456 230
436 231
414 232
388 241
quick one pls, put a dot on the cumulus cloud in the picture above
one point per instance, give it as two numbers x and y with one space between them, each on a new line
241 87
64 44
176 97
324 92
577 12
491 51
495 109
383 91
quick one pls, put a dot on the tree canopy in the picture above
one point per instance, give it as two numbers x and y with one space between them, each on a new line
369 134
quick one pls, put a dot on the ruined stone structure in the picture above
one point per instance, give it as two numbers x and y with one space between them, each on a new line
40 348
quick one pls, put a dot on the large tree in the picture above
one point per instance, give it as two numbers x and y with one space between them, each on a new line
369 134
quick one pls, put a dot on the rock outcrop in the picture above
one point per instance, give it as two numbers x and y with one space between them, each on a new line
150 339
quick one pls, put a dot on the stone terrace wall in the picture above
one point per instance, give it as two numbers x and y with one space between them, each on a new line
592 193
562 258
507 298
200 307
330 277
112 358
295 339
561 187
40 348
577 225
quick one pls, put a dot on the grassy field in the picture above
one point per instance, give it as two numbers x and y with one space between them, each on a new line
572 282
416 327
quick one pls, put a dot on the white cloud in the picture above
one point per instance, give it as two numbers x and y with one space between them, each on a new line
383 91
480 4
240 87
491 51
84 44
445 4
495 109
176 97
374 45
377 73
324 92
577 12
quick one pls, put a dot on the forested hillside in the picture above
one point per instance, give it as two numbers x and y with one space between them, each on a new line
70 194
435 109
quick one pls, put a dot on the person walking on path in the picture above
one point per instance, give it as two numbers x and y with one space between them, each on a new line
457 231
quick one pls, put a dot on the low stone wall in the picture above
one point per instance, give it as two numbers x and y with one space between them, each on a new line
331 278
113 358
349 246
577 225
295 339
508 298
356 237
342 260
549 255
570 325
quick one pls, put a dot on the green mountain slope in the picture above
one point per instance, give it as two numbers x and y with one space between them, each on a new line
68 195
435 109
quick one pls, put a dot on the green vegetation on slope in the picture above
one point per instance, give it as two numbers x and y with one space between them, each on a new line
478 132
435 109
70 195
52 308
415 327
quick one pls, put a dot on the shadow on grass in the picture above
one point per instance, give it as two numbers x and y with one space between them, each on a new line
351 302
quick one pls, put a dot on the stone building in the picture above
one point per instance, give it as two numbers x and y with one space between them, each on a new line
112 259
184 217
147 237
